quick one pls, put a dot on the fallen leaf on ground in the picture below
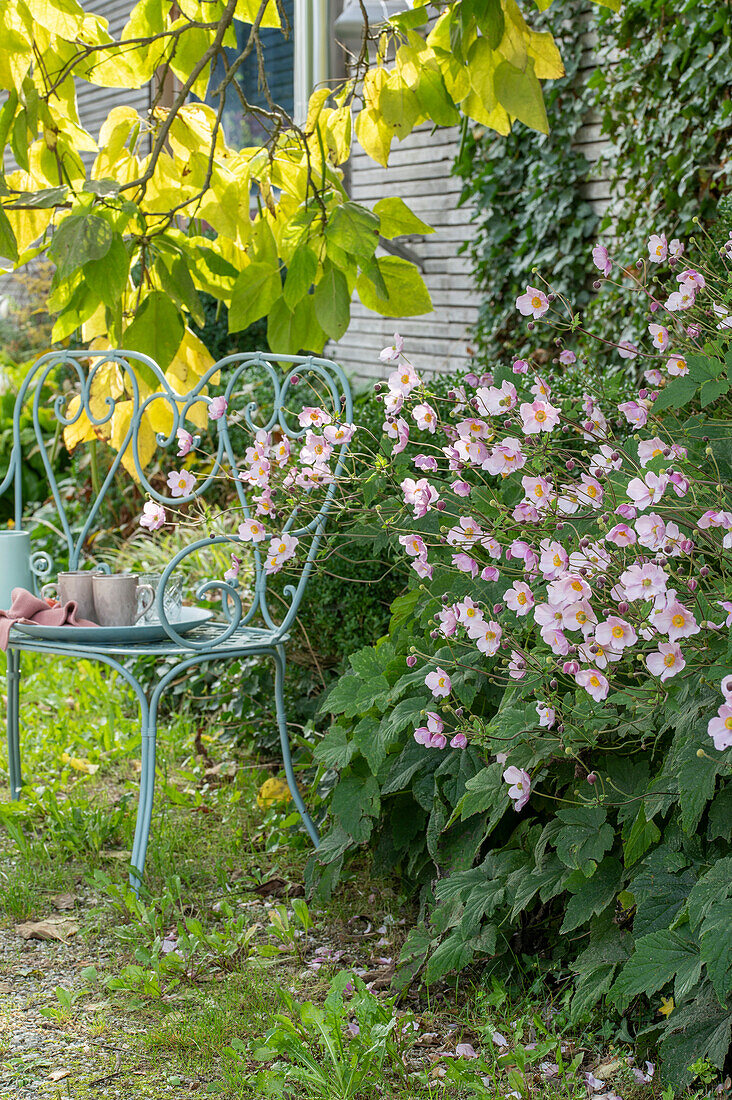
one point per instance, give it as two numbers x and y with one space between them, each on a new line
607 1069
52 928
273 887
59 1074
224 770
79 764
116 855
63 901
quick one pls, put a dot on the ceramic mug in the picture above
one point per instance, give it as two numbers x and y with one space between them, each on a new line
15 570
75 585
119 599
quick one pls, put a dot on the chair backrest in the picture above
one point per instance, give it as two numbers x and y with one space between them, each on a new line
125 396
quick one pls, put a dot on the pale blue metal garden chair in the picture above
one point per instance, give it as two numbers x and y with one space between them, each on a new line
241 631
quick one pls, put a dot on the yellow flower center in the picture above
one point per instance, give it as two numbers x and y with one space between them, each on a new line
282 548
594 681
540 416
577 586
441 681
536 302
591 490
581 616
521 598
618 632
678 621
538 489
669 660
728 723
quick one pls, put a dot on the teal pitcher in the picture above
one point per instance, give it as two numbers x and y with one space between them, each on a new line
15 570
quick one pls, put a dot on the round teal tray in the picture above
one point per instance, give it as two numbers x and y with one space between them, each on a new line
191 617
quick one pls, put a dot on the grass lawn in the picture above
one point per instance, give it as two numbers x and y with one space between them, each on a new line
221 980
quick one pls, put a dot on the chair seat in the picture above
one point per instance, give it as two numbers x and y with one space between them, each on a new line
246 639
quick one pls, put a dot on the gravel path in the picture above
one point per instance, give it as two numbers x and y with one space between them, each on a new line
42 1057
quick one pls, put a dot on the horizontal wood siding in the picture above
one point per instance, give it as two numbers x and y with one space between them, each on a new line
419 172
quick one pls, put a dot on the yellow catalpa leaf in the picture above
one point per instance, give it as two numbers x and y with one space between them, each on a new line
248 10
667 1006
146 442
79 764
82 430
542 48
107 382
61 17
272 791
373 135
315 106
96 325
191 361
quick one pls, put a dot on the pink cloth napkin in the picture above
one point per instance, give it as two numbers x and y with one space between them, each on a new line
27 608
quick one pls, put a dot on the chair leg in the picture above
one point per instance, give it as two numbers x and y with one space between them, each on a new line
279 659
145 805
13 724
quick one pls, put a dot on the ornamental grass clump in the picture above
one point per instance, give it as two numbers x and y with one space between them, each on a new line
543 742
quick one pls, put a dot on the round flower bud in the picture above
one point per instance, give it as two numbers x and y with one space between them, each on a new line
411 661
591 778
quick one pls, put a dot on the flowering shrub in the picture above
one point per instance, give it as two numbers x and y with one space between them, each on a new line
543 741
